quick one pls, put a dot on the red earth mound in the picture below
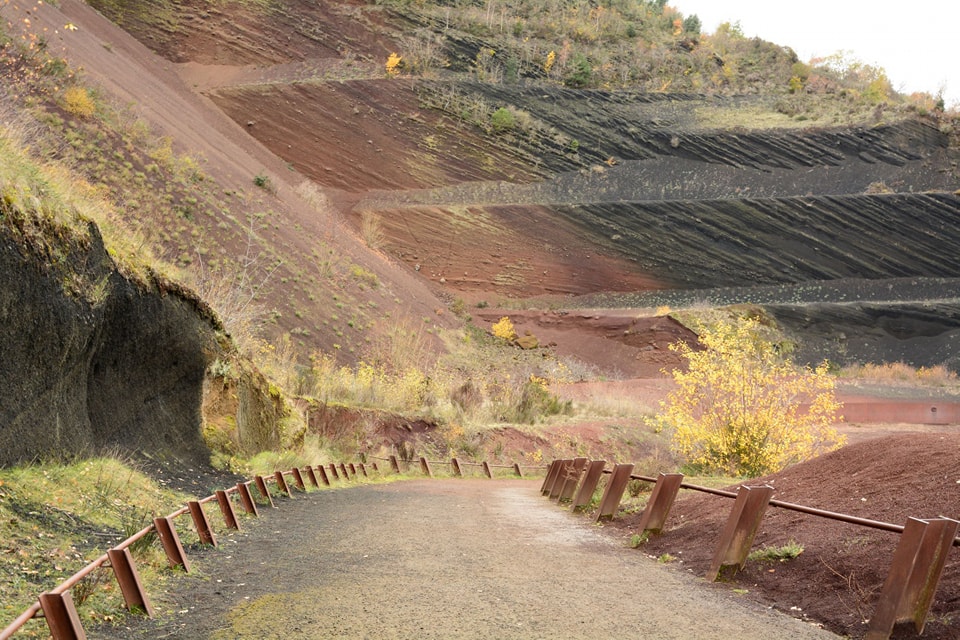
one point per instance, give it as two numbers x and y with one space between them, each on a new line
837 579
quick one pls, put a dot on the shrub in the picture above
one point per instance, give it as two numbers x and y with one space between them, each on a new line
502 120
504 329
77 101
738 410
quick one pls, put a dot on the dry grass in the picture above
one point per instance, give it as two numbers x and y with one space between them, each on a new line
901 373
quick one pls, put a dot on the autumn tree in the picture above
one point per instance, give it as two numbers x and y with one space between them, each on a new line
742 407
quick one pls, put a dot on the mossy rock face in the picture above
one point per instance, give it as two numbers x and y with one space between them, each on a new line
78 374
528 342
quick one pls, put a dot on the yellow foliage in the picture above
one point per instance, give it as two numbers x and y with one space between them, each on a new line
742 408
393 64
77 100
551 58
504 329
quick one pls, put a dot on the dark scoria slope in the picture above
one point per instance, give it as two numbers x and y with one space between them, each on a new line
724 243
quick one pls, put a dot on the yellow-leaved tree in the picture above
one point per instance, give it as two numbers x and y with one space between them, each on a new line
743 408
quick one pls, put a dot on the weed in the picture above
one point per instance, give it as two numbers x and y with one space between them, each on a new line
783 553
666 558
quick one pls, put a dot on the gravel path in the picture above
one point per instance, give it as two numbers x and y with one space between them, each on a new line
441 559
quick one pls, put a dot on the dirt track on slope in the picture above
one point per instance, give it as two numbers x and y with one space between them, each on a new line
441 559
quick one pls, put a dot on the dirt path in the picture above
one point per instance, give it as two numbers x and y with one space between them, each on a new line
441 559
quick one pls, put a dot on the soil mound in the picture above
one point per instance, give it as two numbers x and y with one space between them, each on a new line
838 577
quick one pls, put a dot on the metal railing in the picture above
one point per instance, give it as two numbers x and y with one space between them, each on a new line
907 592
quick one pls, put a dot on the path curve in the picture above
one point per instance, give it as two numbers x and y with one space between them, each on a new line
442 559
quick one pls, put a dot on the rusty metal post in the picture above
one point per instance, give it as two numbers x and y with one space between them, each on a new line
486 469
572 479
742 525
333 471
376 469
282 483
560 478
614 491
170 542
298 479
425 467
61 616
344 472
323 475
914 575
455 467
201 523
246 499
661 500
394 464
589 484
363 469
516 470
262 488
226 508
312 476
129 579
552 471
353 469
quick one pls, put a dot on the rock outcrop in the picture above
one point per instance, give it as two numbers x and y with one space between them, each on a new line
91 359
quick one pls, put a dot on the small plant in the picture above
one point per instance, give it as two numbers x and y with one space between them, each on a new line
502 120
77 100
788 551
638 539
504 329
666 558
394 64
263 181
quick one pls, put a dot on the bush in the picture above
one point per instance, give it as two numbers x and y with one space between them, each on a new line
77 101
504 329
742 408
503 120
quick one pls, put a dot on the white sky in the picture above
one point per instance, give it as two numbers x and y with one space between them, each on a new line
915 42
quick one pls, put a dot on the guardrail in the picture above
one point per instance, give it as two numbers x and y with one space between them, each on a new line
907 593
58 609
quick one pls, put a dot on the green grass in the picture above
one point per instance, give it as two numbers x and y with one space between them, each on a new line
56 518
783 553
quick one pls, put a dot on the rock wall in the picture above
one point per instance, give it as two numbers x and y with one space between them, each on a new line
91 360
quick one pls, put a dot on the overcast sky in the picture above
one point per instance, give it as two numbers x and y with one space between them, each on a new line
915 42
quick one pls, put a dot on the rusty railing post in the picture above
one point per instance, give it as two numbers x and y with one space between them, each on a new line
312 476
552 471
298 479
394 464
323 475
914 575
61 615
455 467
353 469
264 492
425 467
376 469
363 469
226 508
572 479
282 483
170 542
344 472
614 491
246 499
333 471
486 469
589 484
202 525
516 470
560 478
742 524
129 579
661 500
